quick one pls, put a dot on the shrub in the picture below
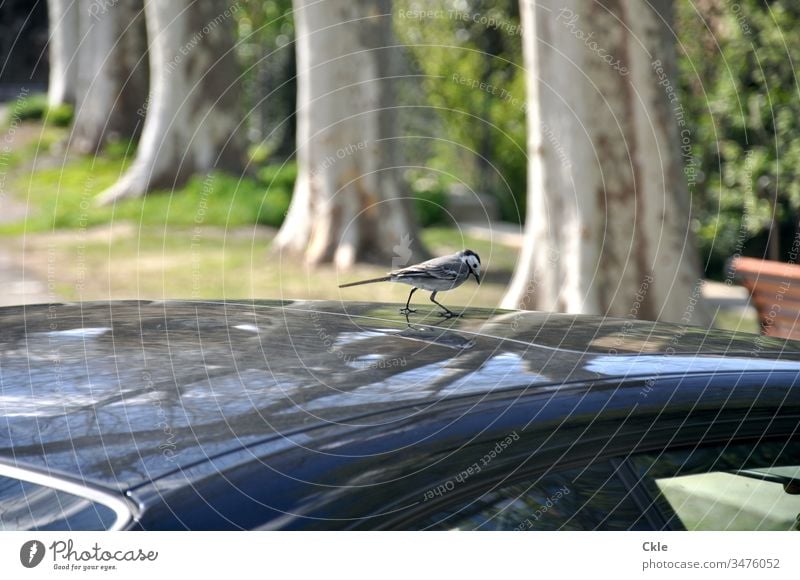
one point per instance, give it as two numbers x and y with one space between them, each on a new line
60 115
34 107
276 203
28 108
279 183
279 175
429 200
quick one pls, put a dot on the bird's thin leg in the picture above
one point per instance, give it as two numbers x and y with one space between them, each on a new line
408 310
447 312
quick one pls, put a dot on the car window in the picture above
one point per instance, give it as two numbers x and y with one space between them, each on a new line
591 498
743 487
30 506
752 486
729 501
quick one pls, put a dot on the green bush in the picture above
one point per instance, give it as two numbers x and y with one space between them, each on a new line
277 187
60 115
119 149
29 108
276 204
457 58
743 119
34 107
429 200
258 154
279 175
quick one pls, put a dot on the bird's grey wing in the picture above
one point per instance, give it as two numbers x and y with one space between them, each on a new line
442 268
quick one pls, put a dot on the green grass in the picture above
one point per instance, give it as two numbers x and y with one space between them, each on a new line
199 240
64 196
63 192
737 320
126 260
37 142
129 261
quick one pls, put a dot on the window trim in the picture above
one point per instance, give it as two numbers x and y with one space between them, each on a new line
642 496
122 508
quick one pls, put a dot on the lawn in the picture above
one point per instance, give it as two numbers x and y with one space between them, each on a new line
208 239
129 261
60 189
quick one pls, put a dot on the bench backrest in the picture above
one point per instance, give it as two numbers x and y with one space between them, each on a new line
775 291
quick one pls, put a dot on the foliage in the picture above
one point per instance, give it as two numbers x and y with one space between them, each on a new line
34 107
61 115
740 92
29 108
470 56
265 48
279 180
737 86
430 198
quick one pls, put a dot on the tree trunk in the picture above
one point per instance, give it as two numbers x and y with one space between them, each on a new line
193 121
63 44
348 203
112 80
608 219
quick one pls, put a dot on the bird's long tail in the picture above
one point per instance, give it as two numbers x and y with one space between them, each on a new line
370 281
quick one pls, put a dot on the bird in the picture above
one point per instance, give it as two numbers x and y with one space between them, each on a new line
436 275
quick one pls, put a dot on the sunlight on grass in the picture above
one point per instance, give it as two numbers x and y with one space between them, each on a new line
125 261
63 196
738 320
196 241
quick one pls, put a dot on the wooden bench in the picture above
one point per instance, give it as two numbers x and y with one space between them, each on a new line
775 293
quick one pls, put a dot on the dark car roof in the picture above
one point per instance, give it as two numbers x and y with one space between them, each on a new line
121 393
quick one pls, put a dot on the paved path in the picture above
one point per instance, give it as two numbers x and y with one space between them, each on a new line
16 286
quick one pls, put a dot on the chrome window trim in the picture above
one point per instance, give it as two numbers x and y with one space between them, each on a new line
121 507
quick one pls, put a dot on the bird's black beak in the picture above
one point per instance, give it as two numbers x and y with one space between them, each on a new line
477 278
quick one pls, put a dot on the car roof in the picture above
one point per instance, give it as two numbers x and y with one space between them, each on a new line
120 393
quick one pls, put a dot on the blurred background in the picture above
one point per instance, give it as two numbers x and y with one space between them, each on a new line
601 157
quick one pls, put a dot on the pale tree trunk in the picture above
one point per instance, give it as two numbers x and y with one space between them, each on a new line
608 218
62 16
113 73
193 120
348 204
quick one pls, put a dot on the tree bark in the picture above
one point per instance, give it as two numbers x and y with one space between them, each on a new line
608 219
193 120
113 73
63 51
348 204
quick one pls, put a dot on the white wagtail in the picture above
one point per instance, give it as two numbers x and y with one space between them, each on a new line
436 275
